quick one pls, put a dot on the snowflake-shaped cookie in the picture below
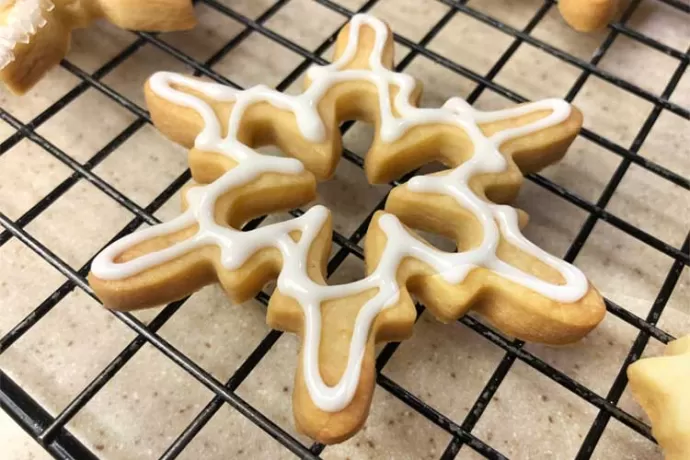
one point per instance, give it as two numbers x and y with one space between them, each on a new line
496 271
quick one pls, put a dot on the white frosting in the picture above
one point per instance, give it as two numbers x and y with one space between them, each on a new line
22 21
236 246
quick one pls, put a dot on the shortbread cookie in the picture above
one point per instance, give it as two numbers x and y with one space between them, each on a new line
518 287
588 15
661 386
35 34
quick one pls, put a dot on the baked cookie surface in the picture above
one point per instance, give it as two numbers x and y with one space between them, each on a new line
661 387
35 34
588 15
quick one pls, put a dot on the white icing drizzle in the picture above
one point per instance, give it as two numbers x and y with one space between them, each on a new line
23 20
294 281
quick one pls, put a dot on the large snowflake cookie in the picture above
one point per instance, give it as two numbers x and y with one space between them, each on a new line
496 271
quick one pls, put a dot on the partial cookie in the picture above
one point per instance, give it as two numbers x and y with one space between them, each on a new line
517 286
662 387
35 34
588 15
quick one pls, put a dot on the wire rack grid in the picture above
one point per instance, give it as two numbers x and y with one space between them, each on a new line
51 431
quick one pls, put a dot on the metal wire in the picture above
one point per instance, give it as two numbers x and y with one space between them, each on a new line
51 432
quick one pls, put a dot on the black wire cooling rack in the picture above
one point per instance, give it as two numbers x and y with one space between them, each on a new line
51 432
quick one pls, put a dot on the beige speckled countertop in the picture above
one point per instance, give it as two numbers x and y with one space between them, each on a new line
151 400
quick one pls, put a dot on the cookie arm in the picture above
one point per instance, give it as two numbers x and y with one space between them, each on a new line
517 309
659 385
149 15
46 42
339 325
31 61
